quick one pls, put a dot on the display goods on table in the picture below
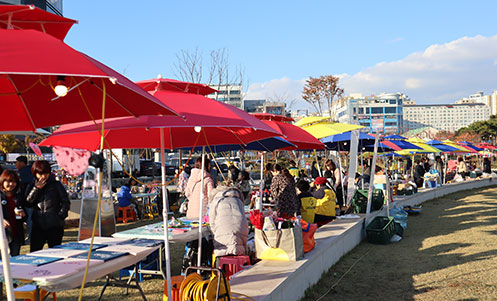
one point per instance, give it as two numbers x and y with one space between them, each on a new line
180 230
33 260
57 252
80 246
101 255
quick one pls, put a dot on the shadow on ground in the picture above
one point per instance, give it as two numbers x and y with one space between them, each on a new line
382 272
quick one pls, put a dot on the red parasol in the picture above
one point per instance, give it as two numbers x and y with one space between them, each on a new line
175 85
31 17
217 123
486 145
274 117
33 63
291 133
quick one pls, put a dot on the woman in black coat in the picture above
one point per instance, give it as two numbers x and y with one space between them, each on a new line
13 210
51 204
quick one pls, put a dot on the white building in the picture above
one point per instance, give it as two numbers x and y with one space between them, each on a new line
445 117
377 113
230 94
480 97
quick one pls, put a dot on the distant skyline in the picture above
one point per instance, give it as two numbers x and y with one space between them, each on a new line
433 51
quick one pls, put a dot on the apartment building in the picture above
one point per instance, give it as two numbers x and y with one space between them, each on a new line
445 117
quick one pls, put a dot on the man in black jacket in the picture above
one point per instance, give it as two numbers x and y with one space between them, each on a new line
50 203
419 173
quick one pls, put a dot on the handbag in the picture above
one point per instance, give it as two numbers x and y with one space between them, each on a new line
308 231
283 244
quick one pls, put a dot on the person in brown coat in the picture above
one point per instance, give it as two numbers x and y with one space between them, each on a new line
284 192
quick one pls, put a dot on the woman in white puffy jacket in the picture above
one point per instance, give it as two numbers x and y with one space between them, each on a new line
227 221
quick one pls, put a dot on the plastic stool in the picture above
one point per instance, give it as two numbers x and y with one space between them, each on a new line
176 283
126 214
28 292
234 264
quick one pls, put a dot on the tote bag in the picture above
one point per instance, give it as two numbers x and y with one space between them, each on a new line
283 244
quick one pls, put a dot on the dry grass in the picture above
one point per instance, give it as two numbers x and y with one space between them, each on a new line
448 253
153 286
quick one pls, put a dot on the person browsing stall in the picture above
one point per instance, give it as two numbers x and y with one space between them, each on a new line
25 178
243 184
293 170
13 210
325 201
227 221
50 203
193 188
284 192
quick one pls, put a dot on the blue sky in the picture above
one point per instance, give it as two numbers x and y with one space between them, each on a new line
281 43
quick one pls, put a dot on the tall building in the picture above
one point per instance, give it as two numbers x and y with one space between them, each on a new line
53 6
377 113
230 94
445 117
479 97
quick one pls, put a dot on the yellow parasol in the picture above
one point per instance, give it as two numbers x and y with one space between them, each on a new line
460 149
326 129
310 120
425 148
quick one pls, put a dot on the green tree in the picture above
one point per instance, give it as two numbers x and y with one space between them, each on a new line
486 129
321 92
9 143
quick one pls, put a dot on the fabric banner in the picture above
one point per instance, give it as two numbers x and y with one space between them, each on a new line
371 180
354 141
283 244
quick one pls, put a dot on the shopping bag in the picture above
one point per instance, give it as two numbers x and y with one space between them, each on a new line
308 231
282 244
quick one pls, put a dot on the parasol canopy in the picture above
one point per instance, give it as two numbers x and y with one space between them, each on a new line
341 142
208 122
441 146
33 63
301 139
486 145
325 129
175 85
31 17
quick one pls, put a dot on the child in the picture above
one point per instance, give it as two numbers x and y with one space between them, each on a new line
244 185
307 201
125 199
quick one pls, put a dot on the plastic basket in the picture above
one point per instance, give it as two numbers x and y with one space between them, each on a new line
360 200
380 230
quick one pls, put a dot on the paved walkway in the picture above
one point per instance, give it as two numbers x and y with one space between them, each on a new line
448 253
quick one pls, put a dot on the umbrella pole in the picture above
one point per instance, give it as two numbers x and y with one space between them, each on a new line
165 210
317 163
201 211
261 184
4 248
362 170
341 175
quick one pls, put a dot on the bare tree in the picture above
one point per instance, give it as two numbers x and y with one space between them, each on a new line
321 92
217 72
284 98
188 66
